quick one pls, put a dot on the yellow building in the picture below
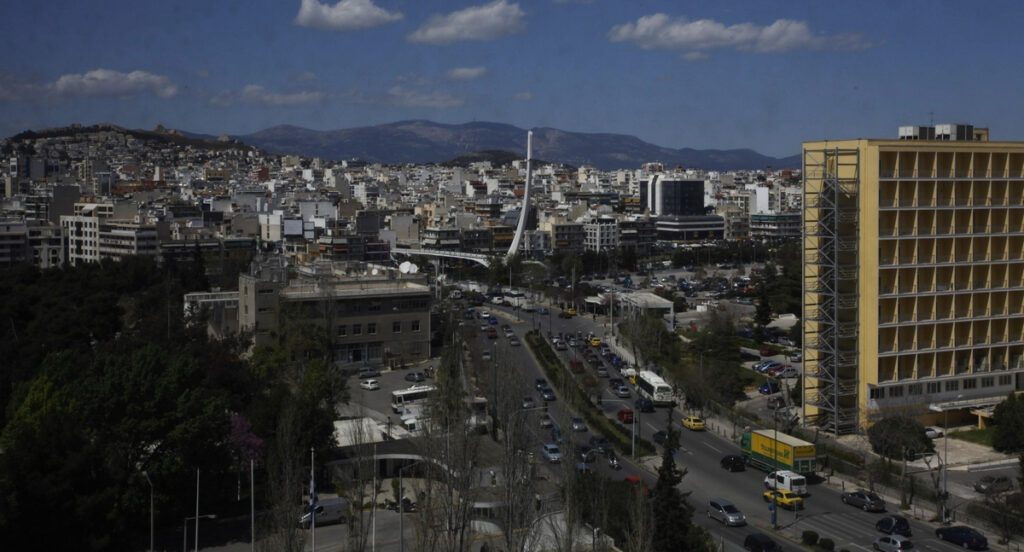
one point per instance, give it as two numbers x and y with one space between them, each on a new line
913 276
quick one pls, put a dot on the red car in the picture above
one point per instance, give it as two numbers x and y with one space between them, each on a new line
625 416
576 365
769 351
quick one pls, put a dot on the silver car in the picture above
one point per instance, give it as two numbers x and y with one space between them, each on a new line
725 512
893 543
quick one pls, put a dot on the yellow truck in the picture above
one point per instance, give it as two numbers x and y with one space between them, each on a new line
770 450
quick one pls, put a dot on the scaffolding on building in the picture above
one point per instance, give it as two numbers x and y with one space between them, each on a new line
830 260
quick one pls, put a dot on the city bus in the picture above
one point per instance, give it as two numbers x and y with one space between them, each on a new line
402 399
651 386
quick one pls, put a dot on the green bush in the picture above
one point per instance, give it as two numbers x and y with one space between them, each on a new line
826 544
810 538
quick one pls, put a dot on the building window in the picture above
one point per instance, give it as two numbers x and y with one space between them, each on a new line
895 391
371 328
357 329
952 386
396 327
374 306
1005 380
914 389
988 381
415 325
934 387
970 384
342 331
875 393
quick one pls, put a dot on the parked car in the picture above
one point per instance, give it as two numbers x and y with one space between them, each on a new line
370 384
528 402
897 525
893 543
540 383
733 463
786 372
415 377
625 416
365 373
693 423
659 436
486 355
796 357
784 499
578 424
551 453
582 468
991 484
963 536
622 392
561 346
769 351
865 500
759 542
769 388
514 341
547 394
933 432
725 512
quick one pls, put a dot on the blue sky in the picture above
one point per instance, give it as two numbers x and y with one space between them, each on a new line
759 74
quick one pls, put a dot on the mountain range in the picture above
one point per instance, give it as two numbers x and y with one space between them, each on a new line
422 141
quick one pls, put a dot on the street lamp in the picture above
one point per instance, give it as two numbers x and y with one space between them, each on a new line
401 505
184 528
945 451
150 481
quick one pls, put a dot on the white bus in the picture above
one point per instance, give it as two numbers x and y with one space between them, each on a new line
415 395
651 386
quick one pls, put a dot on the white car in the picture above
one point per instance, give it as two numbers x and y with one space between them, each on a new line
932 432
370 384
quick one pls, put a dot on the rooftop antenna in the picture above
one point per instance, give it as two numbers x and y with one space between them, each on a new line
931 118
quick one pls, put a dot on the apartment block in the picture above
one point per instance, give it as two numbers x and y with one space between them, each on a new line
913 277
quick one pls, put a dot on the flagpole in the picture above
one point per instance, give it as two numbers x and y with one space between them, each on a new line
312 498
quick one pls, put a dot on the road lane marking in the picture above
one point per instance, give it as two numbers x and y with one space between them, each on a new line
712 447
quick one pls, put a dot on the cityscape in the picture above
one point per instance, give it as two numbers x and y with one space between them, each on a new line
457 303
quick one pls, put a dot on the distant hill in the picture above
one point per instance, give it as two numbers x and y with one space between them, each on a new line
159 134
429 142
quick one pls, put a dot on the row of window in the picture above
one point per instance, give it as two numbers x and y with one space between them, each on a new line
933 387
371 328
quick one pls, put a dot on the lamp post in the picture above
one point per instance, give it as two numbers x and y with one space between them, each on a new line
150 481
401 506
184 527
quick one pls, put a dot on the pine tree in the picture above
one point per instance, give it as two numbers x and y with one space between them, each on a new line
673 517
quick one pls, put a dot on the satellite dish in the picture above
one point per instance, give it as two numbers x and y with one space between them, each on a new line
404 267
413 269
375 272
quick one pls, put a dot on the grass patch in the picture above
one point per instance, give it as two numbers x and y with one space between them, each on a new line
979 436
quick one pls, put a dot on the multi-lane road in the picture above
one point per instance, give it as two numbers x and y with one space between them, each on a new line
700 453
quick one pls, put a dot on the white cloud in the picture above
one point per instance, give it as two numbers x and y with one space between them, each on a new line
695 56
661 31
467 73
107 82
524 96
346 15
256 94
411 98
488 22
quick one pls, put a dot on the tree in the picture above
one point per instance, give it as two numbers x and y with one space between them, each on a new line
672 520
1008 418
899 438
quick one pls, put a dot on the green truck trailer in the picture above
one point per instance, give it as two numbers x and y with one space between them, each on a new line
770 450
